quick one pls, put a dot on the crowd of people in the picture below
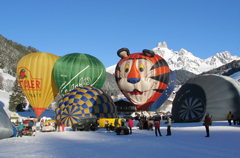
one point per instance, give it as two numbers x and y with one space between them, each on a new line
230 117
144 123
149 123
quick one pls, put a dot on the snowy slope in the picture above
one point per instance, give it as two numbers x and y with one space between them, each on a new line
111 69
8 81
4 97
236 76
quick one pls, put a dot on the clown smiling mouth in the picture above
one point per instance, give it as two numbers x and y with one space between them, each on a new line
136 92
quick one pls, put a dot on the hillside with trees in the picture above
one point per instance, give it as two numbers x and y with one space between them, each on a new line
10 53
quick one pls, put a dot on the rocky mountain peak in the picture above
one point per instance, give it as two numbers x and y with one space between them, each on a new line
162 45
184 60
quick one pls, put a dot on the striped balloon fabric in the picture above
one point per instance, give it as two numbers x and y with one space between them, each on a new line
84 102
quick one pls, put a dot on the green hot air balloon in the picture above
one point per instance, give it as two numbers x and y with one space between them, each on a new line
78 70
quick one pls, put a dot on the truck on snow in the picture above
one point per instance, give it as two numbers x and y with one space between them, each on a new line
86 123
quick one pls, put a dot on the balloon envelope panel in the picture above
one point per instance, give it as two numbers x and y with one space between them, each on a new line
6 127
78 70
84 102
35 77
166 94
213 94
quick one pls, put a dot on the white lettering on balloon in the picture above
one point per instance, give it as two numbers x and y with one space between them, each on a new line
82 82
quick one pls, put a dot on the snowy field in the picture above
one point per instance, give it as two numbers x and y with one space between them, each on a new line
188 140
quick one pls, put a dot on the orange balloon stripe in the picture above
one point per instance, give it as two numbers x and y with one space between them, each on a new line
162 70
162 86
39 111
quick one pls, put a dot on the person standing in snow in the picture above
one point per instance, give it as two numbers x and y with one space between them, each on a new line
106 124
34 130
116 123
58 125
42 123
123 121
157 126
150 124
206 123
169 123
234 118
229 118
20 128
130 125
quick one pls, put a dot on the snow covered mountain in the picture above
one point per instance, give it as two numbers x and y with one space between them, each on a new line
184 60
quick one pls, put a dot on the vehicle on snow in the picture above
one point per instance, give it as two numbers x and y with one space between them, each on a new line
27 127
49 126
86 123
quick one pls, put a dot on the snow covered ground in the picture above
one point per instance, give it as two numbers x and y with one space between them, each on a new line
188 140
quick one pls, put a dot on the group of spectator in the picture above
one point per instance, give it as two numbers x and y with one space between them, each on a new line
150 123
233 117
230 117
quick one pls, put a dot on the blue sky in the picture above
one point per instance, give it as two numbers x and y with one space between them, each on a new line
101 27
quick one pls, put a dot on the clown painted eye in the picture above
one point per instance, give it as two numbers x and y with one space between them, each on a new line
127 68
141 67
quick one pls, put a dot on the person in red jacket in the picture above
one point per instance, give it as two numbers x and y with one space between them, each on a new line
207 123
130 125
157 126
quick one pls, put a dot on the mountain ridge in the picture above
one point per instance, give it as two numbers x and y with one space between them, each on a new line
184 60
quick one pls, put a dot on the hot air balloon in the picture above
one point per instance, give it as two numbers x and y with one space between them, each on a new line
142 77
84 102
36 80
209 93
166 94
6 127
78 70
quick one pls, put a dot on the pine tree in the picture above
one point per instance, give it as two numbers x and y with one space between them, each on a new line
54 103
16 97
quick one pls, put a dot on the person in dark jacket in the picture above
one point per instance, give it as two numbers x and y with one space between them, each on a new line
234 118
206 123
157 126
169 123
123 121
229 118
116 123
130 125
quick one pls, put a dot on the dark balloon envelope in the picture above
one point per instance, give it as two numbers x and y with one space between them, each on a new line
6 127
213 94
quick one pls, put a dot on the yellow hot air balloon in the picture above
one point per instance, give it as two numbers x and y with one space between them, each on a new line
36 79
